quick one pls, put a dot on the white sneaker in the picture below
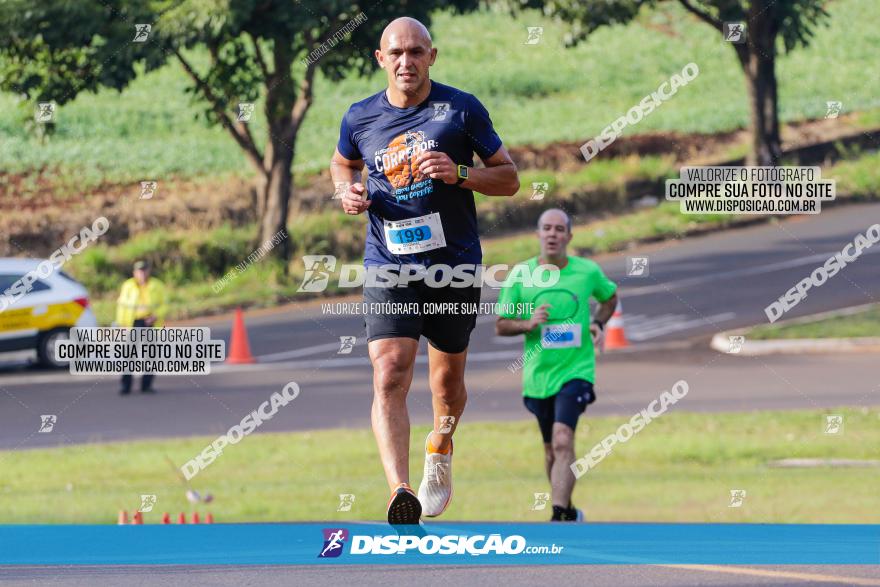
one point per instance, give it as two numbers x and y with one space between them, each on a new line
435 492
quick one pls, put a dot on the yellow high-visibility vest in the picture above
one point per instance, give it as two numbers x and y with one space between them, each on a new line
136 302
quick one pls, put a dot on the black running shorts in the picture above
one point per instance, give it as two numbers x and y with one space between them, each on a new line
388 314
565 406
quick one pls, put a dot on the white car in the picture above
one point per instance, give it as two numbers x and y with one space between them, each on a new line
44 314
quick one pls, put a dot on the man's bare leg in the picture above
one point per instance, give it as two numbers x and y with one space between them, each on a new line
548 461
393 360
448 393
561 477
448 398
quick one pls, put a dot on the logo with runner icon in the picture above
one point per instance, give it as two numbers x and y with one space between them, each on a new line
317 273
334 540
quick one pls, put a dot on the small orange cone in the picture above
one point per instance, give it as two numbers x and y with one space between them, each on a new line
195 518
166 518
181 519
138 518
123 518
614 336
239 348
209 518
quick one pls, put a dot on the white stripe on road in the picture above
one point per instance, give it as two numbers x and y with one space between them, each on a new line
778 574
305 352
485 357
508 340
648 328
309 365
638 328
481 357
633 322
670 285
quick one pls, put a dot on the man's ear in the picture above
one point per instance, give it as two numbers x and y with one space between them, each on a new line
378 54
433 56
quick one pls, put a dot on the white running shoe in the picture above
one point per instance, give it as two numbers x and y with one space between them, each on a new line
435 492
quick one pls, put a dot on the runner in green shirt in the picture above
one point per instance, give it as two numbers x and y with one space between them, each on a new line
558 361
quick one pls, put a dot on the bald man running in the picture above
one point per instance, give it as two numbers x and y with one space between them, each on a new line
560 335
417 139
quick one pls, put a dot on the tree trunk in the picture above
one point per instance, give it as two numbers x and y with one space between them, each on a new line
276 195
759 64
260 190
764 124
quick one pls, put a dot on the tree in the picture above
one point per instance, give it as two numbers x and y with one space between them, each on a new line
766 21
52 50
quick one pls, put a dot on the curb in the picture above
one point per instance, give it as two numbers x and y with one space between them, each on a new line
721 341
795 346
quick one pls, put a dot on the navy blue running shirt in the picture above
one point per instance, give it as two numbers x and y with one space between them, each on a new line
389 139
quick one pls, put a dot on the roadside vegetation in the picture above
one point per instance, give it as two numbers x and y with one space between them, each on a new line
679 469
537 95
865 322
190 262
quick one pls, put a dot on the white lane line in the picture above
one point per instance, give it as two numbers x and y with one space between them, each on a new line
482 357
359 362
639 321
486 357
305 352
508 340
770 268
647 328
633 322
799 576
653 330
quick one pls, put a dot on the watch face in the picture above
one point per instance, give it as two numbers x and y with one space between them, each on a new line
463 171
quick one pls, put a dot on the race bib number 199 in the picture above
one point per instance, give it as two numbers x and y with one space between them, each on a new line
414 235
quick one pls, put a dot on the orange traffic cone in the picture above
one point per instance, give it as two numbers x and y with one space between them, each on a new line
614 336
123 518
138 518
166 518
239 348
181 519
209 518
195 518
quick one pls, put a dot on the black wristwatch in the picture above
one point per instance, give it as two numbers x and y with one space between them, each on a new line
462 174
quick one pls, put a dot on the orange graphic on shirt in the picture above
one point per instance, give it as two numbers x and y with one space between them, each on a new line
399 159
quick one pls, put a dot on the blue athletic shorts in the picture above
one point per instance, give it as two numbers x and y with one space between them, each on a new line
565 406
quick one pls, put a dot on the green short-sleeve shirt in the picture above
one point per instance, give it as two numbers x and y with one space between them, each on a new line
562 348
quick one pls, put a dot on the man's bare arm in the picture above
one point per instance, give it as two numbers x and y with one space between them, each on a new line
345 170
606 310
498 178
512 326
348 171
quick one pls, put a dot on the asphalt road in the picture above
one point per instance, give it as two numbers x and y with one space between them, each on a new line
443 576
694 288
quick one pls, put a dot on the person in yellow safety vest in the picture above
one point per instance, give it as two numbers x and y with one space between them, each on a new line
141 304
